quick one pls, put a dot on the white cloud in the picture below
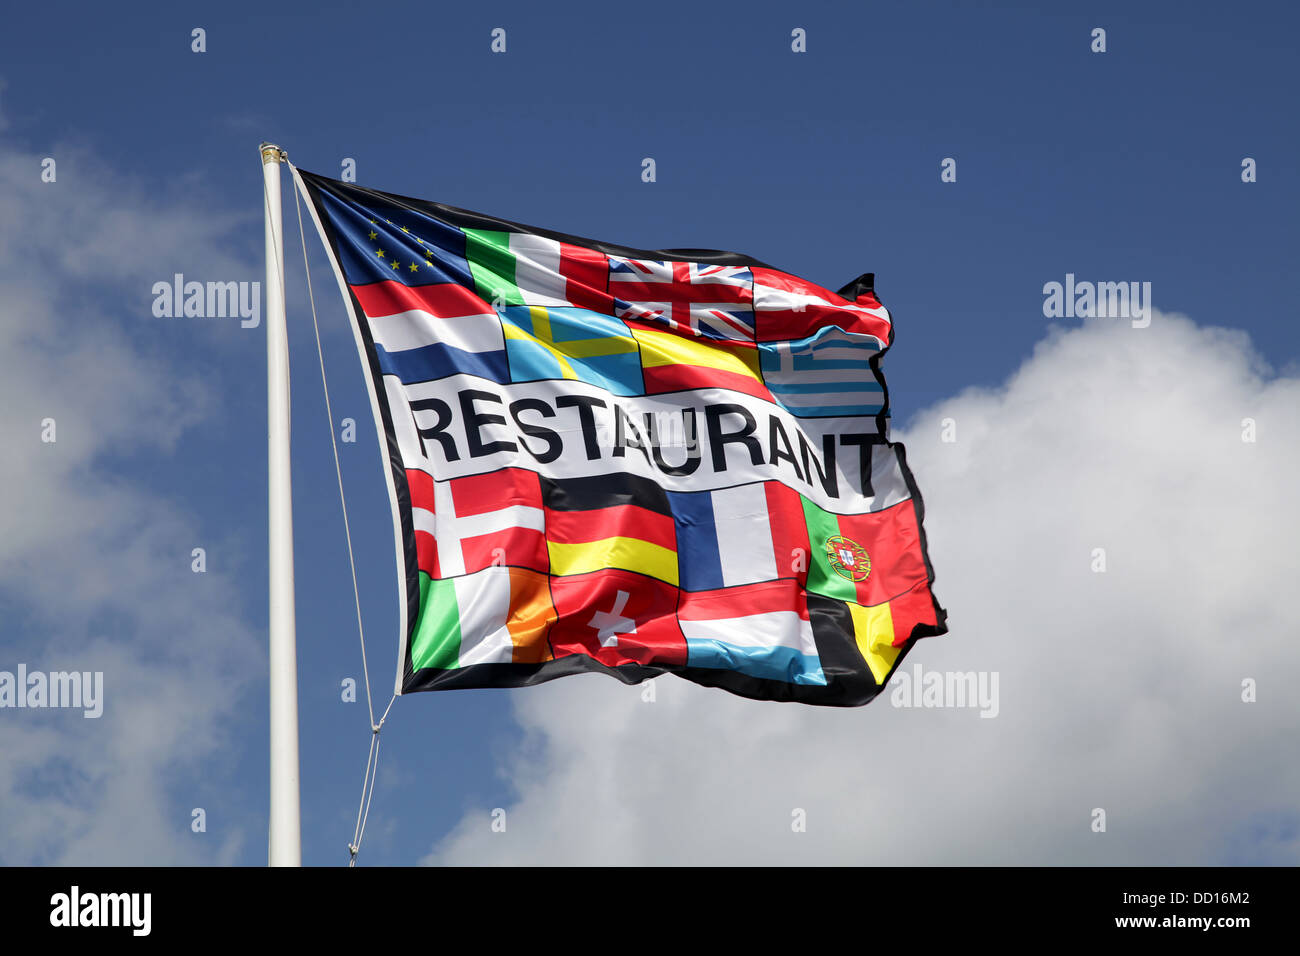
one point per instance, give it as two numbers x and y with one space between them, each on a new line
94 563
1118 690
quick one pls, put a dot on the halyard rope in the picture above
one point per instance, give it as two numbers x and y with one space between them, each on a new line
372 760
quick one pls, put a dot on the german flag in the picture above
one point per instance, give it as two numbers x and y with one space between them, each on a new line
609 521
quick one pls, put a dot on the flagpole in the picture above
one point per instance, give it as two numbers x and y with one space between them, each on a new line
284 837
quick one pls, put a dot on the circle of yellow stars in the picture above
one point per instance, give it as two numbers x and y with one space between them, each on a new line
392 261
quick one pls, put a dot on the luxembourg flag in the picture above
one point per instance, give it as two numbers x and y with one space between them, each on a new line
761 630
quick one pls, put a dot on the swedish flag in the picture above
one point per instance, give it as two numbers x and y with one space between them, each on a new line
575 344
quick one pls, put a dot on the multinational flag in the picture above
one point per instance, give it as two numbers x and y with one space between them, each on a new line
628 461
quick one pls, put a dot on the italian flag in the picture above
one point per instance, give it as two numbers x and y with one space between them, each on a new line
518 268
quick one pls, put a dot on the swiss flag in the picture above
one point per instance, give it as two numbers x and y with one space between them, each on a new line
617 617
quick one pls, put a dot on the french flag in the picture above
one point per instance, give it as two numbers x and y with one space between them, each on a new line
739 535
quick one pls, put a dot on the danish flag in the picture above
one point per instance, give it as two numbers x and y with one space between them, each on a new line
695 298
467 524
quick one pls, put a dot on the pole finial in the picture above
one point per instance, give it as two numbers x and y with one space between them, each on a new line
272 154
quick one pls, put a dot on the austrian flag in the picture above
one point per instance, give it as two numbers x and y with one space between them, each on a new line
628 461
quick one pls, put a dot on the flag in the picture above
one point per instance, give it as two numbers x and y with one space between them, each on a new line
427 332
610 521
548 343
739 535
821 375
471 523
627 461
500 615
671 362
760 630
690 298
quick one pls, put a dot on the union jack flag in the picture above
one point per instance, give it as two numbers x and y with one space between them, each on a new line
714 302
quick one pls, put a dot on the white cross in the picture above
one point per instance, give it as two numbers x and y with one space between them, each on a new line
451 529
612 623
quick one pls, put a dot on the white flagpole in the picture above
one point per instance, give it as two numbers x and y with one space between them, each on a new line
284 838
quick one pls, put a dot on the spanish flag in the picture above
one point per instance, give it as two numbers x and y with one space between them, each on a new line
674 363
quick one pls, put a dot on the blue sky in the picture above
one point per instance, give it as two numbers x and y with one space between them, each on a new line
1122 166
